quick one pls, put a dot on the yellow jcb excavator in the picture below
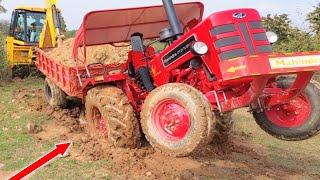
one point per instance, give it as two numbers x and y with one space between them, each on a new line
32 27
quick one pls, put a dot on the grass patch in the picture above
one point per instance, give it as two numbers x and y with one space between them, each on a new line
286 154
17 148
73 169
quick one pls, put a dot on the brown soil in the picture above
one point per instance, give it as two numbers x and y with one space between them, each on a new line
237 159
6 175
105 54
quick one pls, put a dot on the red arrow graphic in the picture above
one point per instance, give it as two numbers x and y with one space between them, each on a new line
60 149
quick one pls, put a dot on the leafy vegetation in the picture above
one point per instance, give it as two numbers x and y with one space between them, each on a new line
70 33
3 29
314 19
293 39
2 9
4 25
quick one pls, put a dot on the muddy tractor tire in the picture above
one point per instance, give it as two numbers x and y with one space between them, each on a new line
177 119
110 115
54 95
296 120
224 128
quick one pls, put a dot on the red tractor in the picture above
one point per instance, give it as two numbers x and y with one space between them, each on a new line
183 95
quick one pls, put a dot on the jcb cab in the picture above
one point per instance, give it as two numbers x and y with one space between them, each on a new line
187 91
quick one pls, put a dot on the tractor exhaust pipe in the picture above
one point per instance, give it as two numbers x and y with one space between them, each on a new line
173 18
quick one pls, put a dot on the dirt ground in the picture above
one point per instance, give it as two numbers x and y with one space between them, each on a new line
239 159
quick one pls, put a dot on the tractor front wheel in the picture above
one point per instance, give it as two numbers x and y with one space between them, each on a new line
177 119
110 115
295 120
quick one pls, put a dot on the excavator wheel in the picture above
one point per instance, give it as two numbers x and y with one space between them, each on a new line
54 95
295 120
177 119
110 115
22 71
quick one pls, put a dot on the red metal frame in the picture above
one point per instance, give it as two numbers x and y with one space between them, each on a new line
67 78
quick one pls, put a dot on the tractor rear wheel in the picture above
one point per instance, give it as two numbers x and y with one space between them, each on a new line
177 119
54 95
109 114
295 120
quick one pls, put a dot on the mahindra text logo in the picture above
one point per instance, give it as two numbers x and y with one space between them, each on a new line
239 15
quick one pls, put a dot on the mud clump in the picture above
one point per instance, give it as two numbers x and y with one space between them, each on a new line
105 54
90 149
66 118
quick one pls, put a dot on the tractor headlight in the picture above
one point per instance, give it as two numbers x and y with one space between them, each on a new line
272 37
200 48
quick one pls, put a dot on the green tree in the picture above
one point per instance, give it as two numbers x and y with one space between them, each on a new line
298 41
314 18
3 27
70 34
280 24
291 39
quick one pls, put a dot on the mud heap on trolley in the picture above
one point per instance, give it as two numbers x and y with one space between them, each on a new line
105 54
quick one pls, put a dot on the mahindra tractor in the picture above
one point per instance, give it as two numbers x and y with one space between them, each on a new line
182 95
